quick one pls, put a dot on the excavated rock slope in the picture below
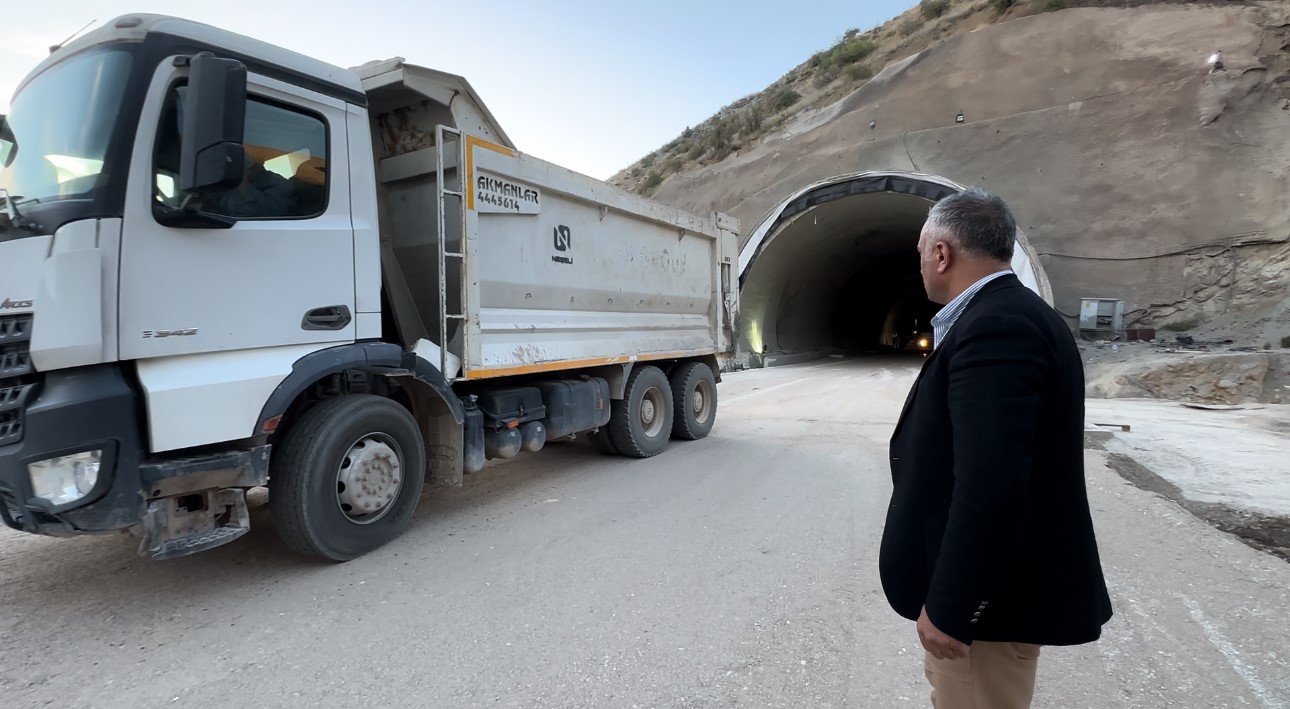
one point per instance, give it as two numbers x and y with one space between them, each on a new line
1134 172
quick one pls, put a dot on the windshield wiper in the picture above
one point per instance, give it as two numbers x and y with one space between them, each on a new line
15 216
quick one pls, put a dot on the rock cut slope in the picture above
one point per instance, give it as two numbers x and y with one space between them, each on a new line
1135 173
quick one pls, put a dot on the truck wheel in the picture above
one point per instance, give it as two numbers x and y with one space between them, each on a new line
694 389
347 478
641 424
602 442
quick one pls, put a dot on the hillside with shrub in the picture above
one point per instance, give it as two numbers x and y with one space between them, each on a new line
829 75
1137 173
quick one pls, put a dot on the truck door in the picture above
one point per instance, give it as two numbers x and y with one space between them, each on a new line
282 275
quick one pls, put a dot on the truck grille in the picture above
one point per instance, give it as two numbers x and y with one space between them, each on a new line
17 375
13 402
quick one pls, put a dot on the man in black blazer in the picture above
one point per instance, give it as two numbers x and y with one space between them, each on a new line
989 543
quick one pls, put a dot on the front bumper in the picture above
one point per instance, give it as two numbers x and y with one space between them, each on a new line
70 412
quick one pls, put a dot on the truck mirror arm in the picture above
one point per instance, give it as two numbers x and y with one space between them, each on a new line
190 218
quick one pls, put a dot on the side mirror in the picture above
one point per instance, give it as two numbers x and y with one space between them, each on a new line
211 155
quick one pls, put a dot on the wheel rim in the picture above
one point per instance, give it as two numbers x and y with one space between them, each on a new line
701 402
369 478
652 411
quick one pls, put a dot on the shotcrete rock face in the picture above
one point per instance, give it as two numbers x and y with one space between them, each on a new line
834 269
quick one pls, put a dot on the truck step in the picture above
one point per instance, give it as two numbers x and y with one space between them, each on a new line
183 525
200 542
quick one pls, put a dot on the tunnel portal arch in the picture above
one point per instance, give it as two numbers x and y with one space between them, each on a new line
833 268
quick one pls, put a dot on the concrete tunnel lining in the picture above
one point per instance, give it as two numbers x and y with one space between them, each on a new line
833 268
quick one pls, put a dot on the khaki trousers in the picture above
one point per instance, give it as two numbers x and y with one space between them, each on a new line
992 676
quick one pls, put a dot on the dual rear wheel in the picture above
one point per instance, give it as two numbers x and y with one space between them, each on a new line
657 407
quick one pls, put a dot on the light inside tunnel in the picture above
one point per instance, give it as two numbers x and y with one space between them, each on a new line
834 270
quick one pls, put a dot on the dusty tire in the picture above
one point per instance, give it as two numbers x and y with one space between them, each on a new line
343 456
602 442
694 389
641 424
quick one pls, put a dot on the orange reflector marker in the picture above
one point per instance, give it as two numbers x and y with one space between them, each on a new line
271 424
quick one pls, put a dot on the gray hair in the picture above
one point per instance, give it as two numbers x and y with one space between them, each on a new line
979 222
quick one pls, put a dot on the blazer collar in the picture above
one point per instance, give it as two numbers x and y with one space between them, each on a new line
1008 280
1002 282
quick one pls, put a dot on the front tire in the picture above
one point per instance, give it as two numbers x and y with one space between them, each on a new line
641 424
347 478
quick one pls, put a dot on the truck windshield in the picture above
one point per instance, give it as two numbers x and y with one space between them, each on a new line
54 141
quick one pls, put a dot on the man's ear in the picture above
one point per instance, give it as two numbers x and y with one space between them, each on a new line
941 256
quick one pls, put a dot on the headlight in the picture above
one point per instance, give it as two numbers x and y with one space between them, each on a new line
65 479
923 343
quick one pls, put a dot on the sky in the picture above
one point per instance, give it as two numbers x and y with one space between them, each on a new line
590 85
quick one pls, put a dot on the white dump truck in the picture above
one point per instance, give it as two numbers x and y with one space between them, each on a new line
224 265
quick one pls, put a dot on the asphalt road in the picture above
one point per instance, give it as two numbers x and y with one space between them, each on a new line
736 571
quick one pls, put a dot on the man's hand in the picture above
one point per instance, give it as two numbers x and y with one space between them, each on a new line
940 645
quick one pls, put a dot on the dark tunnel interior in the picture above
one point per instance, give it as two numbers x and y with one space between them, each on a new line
882 306
839 277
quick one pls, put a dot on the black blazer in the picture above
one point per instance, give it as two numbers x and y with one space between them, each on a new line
989 522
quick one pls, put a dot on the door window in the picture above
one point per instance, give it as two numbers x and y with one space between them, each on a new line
285 163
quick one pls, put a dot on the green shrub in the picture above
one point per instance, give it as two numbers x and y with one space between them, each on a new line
911 26
859 72
652 181
1001 6
826 77
753 119
1285 342
722 131
1182 325
722 153
785 99
1052 5
853 50
648 160
848 50
932 9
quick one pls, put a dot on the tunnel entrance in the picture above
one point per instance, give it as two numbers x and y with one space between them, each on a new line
834 270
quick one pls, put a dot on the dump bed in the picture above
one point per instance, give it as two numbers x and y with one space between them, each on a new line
524 266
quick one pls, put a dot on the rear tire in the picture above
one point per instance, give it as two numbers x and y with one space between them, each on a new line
347 478
641 424
694 389
602 442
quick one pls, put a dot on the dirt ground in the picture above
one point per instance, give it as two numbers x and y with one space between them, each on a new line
1227 465
1269 533
736 571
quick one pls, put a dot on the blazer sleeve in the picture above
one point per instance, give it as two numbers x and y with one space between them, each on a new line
997 372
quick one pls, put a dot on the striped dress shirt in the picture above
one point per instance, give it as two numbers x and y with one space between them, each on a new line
945 319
